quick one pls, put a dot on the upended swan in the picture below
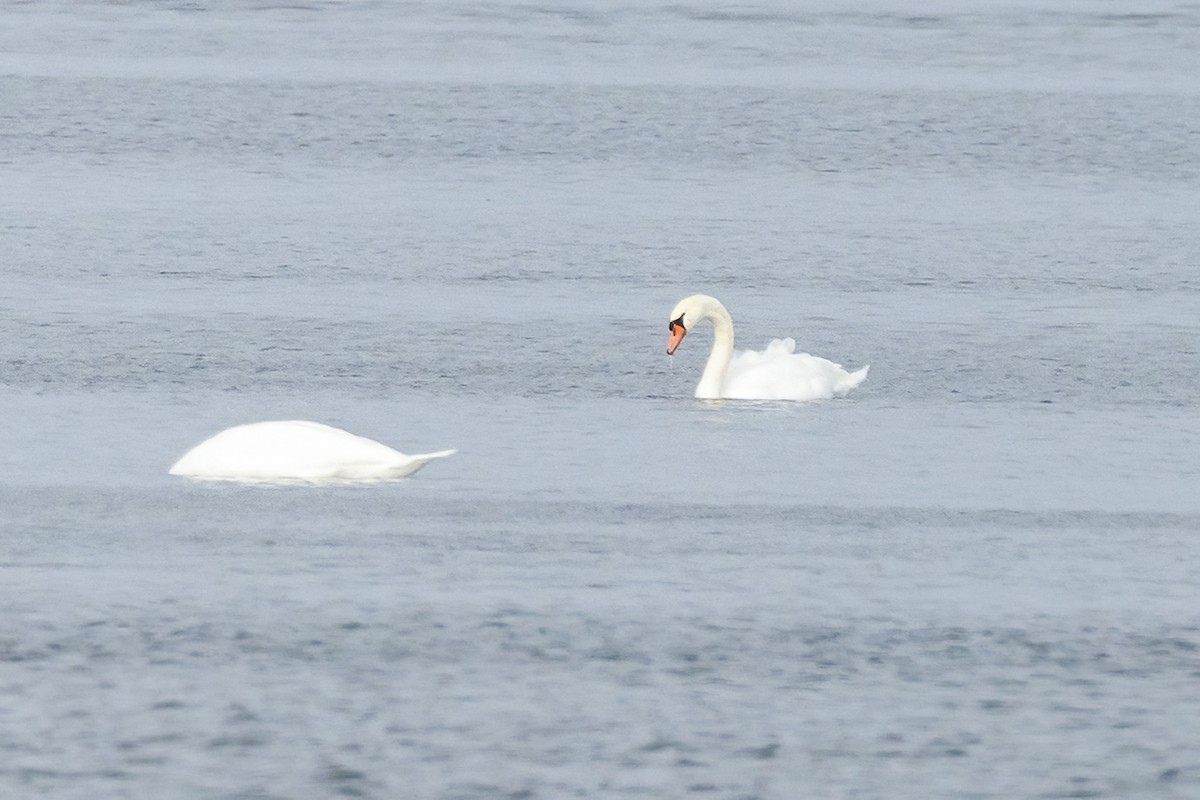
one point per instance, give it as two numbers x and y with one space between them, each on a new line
777 373
296 450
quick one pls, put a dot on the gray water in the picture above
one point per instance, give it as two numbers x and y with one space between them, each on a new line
463 225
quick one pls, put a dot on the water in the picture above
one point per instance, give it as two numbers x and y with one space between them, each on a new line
463 225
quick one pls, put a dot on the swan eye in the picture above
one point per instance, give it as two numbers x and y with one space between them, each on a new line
679 322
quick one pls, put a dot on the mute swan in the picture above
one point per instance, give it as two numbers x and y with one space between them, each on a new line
777 373
296 450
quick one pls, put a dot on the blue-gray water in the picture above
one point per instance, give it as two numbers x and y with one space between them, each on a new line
463 225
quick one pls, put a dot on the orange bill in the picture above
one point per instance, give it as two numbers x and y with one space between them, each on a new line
677 334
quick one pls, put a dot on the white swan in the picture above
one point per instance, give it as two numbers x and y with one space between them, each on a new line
296 450
777 373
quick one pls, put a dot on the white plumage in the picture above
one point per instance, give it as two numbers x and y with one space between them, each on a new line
296 450
777 373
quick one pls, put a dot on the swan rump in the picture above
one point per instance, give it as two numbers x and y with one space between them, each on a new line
777 373
296 450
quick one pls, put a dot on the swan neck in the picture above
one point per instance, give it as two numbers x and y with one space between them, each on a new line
713 378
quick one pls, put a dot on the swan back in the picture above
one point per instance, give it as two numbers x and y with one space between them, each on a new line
780 373
296 450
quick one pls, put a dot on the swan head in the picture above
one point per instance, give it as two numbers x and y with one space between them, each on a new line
689 311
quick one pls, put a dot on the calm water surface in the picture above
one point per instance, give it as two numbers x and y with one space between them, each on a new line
463 225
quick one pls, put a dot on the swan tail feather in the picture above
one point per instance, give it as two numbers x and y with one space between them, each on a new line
438 454
852 380
421 459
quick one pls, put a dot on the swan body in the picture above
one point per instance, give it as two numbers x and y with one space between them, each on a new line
296 450
777 373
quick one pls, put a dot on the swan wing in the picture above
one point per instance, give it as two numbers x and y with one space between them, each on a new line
780 373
